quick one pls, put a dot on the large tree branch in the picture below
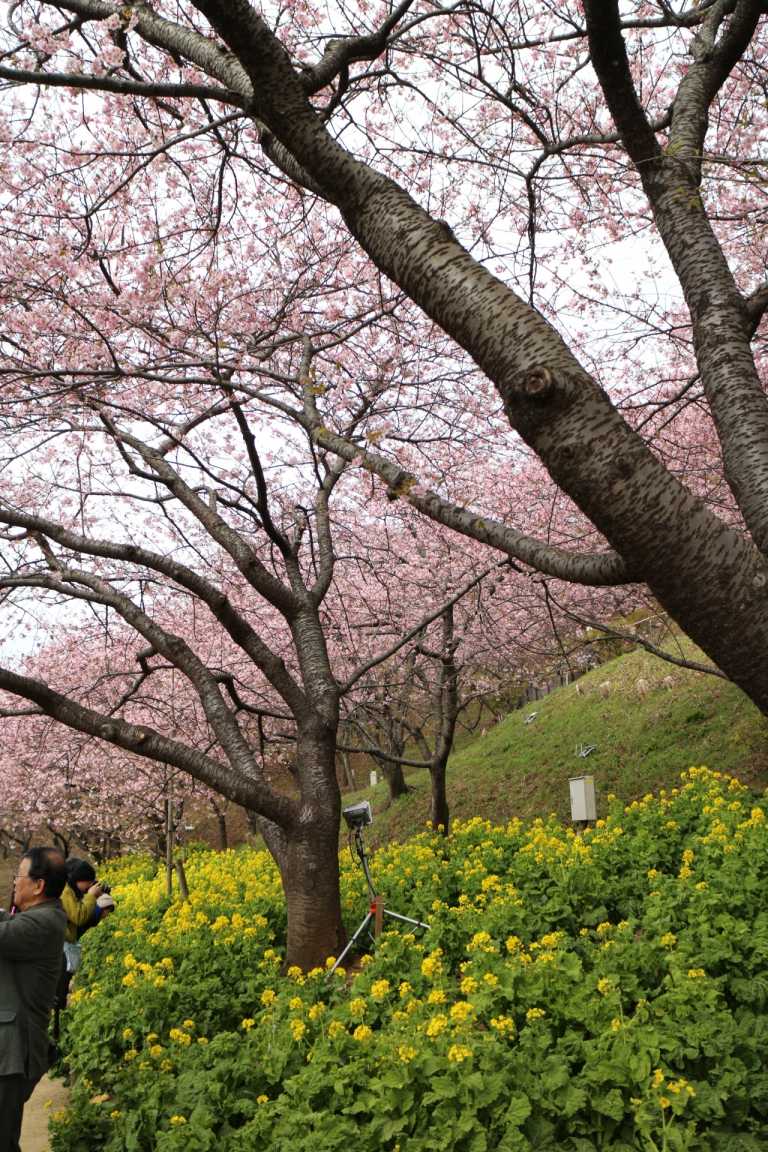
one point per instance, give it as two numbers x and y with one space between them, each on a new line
170 37
80 585
235 625
714 60
145 741
596 569
609 59
670 178
77 80
340 53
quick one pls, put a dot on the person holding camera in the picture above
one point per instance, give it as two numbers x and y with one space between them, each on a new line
85 901
80 899
31 939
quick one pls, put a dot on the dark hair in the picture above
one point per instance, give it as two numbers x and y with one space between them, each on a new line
78 869
47 864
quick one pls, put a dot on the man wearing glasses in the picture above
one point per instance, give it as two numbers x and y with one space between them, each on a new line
31 947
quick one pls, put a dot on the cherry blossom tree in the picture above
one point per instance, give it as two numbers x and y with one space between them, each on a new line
593 122
428 244
224 634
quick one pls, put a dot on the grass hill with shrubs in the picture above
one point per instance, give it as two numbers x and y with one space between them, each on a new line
651 722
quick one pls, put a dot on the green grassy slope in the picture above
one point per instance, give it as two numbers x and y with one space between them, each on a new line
642 743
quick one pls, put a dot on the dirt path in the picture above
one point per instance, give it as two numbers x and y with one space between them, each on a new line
34 1130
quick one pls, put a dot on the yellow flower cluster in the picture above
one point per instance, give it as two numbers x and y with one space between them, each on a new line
493 977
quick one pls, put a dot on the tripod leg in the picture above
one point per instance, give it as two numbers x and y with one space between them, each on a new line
352 941
406 919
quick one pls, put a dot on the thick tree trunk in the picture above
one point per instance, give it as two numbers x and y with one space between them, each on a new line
393 774
307 852
221 824
446 713
309 867
439 812
308 860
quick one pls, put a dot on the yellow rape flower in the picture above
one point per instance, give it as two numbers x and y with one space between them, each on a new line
362 1033
458 1053
431 966
437 1025
681 1087
357 1008
461 1012
177 1121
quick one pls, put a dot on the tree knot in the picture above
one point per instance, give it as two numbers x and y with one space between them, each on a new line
535 383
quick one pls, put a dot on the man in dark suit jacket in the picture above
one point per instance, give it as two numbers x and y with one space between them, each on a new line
31 947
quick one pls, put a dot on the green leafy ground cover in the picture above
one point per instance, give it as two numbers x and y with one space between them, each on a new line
603 991
642 742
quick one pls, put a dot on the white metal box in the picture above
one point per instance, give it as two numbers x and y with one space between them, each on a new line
583 802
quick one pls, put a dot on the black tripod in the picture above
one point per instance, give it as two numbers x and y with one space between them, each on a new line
376 911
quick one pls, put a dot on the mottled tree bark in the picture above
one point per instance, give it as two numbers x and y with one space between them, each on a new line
307 856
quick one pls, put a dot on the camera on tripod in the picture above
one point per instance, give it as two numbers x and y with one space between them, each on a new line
358 815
